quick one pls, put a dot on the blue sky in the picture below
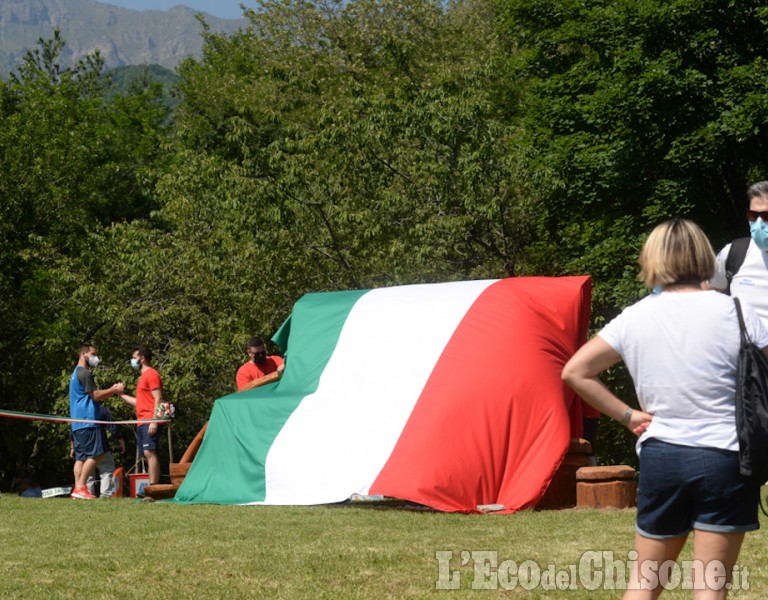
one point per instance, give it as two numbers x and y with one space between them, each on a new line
228 9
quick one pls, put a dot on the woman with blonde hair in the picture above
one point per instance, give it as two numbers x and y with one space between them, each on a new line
681 346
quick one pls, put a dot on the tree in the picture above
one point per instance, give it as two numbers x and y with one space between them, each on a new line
640 111
372 130
71 165
644 110
331 145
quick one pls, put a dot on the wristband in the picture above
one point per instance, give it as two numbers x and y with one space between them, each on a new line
627 416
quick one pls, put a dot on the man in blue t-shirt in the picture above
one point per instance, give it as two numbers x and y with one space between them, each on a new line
87 437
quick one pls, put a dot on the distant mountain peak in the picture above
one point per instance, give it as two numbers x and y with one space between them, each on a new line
122 35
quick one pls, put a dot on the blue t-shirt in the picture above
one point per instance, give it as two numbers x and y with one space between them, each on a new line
81 405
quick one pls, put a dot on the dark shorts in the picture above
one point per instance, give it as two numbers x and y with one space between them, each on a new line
88 442
144 441
683 488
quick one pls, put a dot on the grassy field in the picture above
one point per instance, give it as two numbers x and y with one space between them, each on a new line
123 548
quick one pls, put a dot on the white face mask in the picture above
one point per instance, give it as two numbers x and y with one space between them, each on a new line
135 363
93 361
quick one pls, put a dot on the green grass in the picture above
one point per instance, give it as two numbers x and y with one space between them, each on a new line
62 548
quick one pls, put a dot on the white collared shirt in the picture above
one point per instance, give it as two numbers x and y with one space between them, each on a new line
750 284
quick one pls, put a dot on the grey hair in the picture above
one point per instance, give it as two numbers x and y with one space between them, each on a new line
758 190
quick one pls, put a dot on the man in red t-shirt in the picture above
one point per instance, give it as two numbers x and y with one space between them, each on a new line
259 365
149 396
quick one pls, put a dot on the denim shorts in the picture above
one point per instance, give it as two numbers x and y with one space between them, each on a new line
88 443
145 441
685 487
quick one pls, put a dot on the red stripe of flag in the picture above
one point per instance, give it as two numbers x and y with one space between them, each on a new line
498 434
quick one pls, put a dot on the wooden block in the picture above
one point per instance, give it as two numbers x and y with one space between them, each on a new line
606 487
605 473
160 491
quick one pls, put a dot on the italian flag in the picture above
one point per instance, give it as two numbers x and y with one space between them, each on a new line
448 395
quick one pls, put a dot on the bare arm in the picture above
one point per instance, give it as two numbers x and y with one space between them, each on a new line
581 373
101 395
157 394
259 381
128 399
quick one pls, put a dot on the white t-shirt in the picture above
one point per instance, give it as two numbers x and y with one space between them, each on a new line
750 283
682 349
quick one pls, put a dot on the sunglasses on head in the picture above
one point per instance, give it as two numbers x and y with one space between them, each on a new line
752 215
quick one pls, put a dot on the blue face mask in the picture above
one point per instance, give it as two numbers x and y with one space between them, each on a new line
759 231
135 363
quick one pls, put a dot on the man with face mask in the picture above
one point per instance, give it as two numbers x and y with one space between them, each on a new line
149 396
259 364
86 437
750 281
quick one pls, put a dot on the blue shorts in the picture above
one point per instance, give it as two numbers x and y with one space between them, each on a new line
684 487
88 442
144 441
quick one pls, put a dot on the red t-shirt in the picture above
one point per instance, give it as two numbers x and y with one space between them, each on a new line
145 401
250 370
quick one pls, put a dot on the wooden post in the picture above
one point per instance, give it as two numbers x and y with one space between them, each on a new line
194 446
170 446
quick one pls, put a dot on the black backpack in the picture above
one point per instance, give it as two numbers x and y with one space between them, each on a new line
735 258
752 408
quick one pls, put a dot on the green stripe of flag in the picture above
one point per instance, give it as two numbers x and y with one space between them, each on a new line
314 339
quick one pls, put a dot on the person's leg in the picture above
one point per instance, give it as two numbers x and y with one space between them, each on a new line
77 469
97 471
663 516
106 470
149 445
590 430
644 581
77 451
89 466
90 485
714 555
153 465
726 509
89 448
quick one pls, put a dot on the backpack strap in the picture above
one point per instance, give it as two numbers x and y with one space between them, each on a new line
742 326
735 258
744 341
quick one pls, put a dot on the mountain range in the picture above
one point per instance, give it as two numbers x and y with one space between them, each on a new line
122 36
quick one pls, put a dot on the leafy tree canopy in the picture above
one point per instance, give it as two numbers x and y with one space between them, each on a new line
642 110
71 165
350 144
